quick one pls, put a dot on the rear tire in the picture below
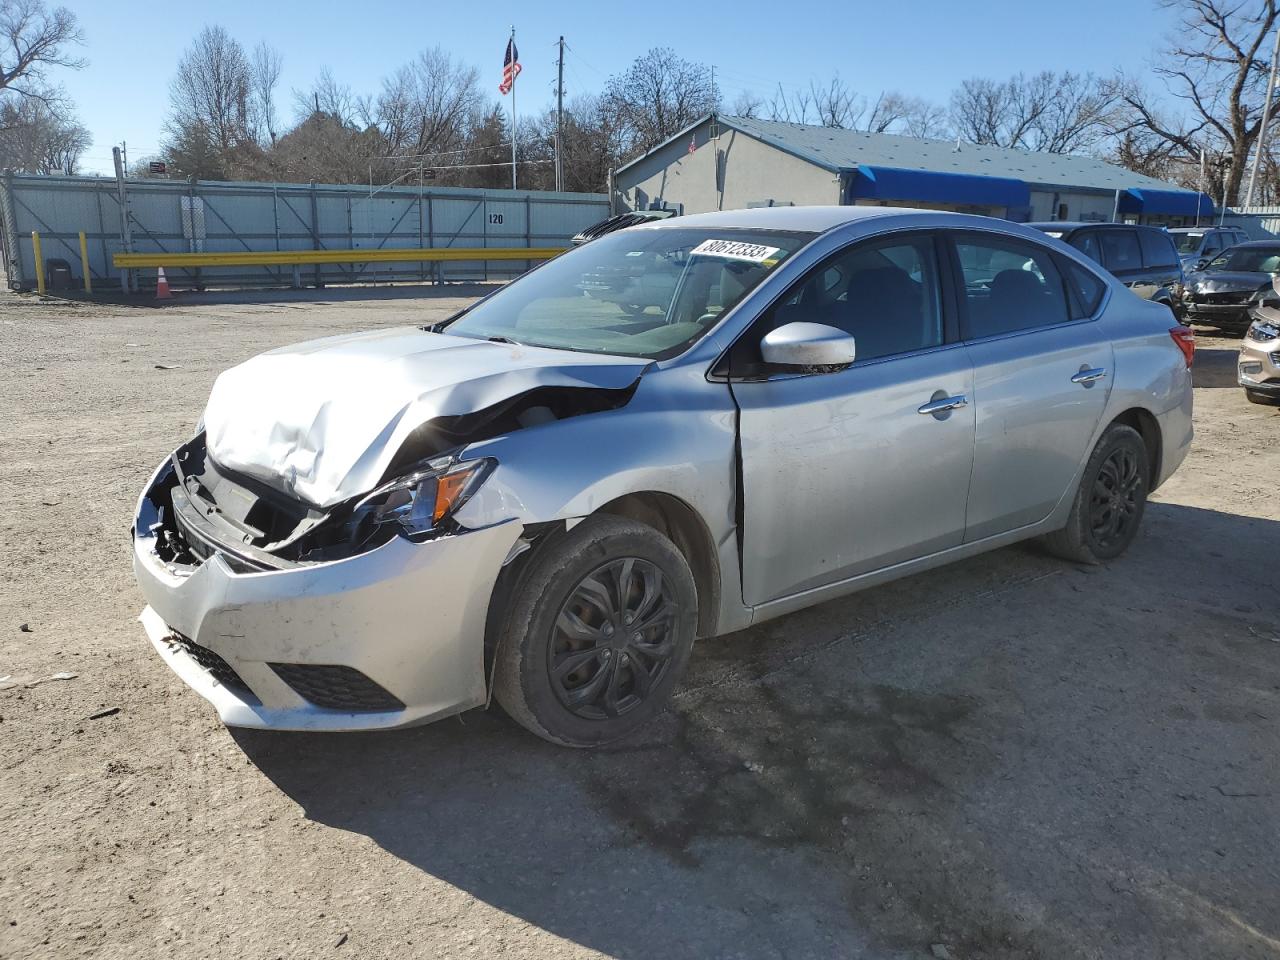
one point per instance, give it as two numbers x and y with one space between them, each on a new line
1109 502
597 633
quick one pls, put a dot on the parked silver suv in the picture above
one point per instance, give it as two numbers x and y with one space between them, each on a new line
547 497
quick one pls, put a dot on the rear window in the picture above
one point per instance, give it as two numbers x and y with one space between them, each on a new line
1157 249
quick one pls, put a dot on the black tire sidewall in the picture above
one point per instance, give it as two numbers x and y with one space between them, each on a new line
560 568
1115 438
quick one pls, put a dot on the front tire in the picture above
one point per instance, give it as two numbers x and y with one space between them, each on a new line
1109 502
1265 399
597 633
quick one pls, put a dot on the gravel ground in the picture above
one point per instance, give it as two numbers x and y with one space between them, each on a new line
1011 757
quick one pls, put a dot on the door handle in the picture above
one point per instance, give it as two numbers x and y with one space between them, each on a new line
1088 375
943 404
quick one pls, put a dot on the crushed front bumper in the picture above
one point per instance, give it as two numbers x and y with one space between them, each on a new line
387 638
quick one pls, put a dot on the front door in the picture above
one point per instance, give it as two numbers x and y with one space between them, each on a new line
851 471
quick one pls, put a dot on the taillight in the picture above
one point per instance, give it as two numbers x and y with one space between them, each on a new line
1186 341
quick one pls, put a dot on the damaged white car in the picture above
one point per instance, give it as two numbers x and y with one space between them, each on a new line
675 431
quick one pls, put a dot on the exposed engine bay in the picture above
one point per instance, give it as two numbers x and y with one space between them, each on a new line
202 507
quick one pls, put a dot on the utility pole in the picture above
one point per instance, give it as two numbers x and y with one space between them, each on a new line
124 151
126 237
560 117
1262 130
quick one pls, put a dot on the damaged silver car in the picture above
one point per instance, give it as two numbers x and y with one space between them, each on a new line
675 431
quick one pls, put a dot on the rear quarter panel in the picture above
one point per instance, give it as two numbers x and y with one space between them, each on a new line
1150 374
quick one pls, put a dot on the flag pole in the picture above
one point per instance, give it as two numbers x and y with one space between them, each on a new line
513 108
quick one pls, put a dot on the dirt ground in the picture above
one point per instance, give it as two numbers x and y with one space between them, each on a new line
1010 757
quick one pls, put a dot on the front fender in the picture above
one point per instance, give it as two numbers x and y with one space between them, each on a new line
677 436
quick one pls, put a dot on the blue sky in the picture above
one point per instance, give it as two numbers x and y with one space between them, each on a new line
920 47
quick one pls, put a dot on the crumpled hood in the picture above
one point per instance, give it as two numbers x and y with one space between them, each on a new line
1227 282
322 420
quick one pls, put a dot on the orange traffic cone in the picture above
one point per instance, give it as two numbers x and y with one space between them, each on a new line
162 286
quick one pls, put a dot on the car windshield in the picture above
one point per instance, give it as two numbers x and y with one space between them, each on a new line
1187 242
1248 260
642 292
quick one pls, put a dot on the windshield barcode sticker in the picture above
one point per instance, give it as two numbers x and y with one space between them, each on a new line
735 250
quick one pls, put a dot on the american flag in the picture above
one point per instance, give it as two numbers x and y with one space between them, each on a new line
510 68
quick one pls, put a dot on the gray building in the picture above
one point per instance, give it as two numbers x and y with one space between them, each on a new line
724 163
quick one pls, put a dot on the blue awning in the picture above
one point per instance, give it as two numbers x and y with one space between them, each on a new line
930 186
1169 203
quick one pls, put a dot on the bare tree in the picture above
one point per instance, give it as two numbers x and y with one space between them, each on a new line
659 94
1050 112
210 94
831 105
33 39
34 138
925 120
1213 69
428 104
747 104
265 67
328 96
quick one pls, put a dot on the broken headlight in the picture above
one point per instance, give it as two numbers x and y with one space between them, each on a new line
420 501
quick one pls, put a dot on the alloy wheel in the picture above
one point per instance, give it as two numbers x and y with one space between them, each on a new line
613 639
1116 497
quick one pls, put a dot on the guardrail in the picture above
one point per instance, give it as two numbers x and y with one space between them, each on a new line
284 258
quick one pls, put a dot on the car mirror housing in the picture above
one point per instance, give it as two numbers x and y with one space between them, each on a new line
807 345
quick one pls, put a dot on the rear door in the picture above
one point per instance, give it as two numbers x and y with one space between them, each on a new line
849 471
1042 373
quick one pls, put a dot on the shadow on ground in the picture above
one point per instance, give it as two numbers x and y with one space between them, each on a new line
1012 756
1215 367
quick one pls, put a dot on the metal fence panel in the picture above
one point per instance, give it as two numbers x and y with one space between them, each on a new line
165 216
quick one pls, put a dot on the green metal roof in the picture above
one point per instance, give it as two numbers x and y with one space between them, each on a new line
840 150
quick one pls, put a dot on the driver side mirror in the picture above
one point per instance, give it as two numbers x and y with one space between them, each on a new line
1200 264
805 345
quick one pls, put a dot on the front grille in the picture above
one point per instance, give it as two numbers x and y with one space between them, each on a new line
336 687
1275 357
213 664
1238 297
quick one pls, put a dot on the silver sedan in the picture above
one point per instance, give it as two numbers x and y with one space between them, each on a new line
674 431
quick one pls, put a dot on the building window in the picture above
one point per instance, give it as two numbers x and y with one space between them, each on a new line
1062 211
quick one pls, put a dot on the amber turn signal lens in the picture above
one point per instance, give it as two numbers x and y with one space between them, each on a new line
448 489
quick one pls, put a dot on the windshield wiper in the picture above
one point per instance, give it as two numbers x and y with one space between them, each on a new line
502 339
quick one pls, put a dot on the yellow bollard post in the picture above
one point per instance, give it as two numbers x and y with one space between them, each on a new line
35 249
84 263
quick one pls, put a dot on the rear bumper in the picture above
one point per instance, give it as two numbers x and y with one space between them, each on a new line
408 616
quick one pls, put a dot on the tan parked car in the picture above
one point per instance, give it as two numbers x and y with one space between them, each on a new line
1258 369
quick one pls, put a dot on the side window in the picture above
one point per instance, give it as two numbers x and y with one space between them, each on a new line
886 294
1009 286
1157 249
1085 289
1086 241
1120 250
1213 244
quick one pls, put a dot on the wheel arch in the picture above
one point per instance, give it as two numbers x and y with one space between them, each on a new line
681 524
1148 427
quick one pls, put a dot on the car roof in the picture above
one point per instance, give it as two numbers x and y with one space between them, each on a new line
1068 225
1205 229
811 219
